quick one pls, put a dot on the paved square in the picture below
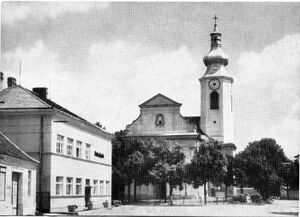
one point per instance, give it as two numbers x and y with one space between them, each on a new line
277 208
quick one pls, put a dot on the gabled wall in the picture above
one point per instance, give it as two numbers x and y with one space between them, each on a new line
174 123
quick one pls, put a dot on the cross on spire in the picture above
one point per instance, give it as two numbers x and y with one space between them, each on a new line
215 25
215 18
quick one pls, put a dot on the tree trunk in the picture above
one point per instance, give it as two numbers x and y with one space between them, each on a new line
242 189
226 192
165 191
171 191
129 190
134 192
205 193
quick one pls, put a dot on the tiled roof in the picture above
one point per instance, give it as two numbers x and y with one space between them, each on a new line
18 97
7 147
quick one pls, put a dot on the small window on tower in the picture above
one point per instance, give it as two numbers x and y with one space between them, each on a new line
214 100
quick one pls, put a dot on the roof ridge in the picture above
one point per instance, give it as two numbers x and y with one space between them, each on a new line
157 95
17 147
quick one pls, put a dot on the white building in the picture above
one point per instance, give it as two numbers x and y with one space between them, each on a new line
73 153
17 180
160 116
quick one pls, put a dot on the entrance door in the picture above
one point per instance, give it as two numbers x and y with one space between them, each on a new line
14 195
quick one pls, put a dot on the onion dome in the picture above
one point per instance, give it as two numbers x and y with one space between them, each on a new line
215 55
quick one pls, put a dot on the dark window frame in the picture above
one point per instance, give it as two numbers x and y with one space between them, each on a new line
214 100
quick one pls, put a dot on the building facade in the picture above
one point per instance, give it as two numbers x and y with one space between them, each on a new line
73 153
17 180
160 116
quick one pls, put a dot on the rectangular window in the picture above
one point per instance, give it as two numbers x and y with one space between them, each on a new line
29 182
87 182
70 147
69 187
59 144
78 186
107 188
101 187
59 185
95 187
2 182
88 152
78 148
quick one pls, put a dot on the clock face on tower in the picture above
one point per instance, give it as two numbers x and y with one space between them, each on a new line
214 84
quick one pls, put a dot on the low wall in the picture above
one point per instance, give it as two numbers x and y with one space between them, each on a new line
250 191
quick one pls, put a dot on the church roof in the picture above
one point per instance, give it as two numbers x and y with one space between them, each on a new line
216 71
8 148
159 100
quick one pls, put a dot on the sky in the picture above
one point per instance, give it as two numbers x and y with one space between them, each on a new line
101 60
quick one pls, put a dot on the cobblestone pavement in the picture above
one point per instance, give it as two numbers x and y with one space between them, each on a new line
277 208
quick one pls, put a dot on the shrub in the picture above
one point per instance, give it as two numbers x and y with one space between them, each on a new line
256 198
239 198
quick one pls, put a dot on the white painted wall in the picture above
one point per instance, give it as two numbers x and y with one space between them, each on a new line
27 202
222 130
70 166
24 129
97 143
173 122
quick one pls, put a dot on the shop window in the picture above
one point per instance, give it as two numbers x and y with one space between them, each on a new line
88 151
107 188
2 182
69 186
59 144
78 148
95 187
78 186
70 146
101 187
59 185
29 182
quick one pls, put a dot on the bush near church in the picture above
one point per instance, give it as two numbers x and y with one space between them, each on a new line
256 198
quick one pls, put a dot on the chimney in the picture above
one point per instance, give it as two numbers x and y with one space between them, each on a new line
41 91
1 80
11 82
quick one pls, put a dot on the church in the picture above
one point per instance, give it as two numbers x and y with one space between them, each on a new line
160 116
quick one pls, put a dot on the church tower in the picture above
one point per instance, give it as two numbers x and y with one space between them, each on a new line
216 93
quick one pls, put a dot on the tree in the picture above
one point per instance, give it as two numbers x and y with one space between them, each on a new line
169 165
228 179
207 165
263 159
294 175
128 163
239 172
289 173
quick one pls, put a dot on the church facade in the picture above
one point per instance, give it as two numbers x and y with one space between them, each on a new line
160 116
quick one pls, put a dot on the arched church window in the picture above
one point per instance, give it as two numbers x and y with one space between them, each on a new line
159 120
214 100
